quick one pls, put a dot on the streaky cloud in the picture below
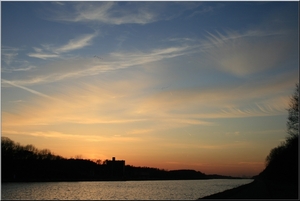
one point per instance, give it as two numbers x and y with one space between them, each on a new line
61 135
114 13
18 69
73 68
76 43
102 12
43 55
24 69
50 51
27 89
8 54
253 51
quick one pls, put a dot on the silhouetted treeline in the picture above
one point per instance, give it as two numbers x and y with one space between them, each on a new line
147 173
142 173
282 161
27 163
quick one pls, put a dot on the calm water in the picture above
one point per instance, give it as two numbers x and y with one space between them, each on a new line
130 190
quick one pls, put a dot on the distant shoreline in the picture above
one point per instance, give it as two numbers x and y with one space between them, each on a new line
86 180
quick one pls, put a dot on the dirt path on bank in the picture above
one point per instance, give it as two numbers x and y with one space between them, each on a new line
259 189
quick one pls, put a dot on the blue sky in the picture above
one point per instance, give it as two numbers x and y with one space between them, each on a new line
199 85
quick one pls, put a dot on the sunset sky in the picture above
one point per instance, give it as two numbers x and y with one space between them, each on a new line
172 85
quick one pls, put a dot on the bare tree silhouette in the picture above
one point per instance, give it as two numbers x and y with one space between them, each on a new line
293 118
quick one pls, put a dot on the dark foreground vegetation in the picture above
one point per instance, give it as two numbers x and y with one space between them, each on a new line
28 164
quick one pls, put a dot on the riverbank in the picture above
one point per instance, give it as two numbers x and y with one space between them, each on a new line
259 189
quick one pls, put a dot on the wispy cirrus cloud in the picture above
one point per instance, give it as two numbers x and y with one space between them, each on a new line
76 43
25 66
8 54
252 111
80 67
256 98
102 12
118 13
50 51
58 3
25 88
12 62
206 9
60 135
42 55
247 53
24 69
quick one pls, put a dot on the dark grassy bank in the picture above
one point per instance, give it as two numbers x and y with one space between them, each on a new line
259 189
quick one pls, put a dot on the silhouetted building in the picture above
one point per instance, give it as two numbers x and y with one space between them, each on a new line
116 168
